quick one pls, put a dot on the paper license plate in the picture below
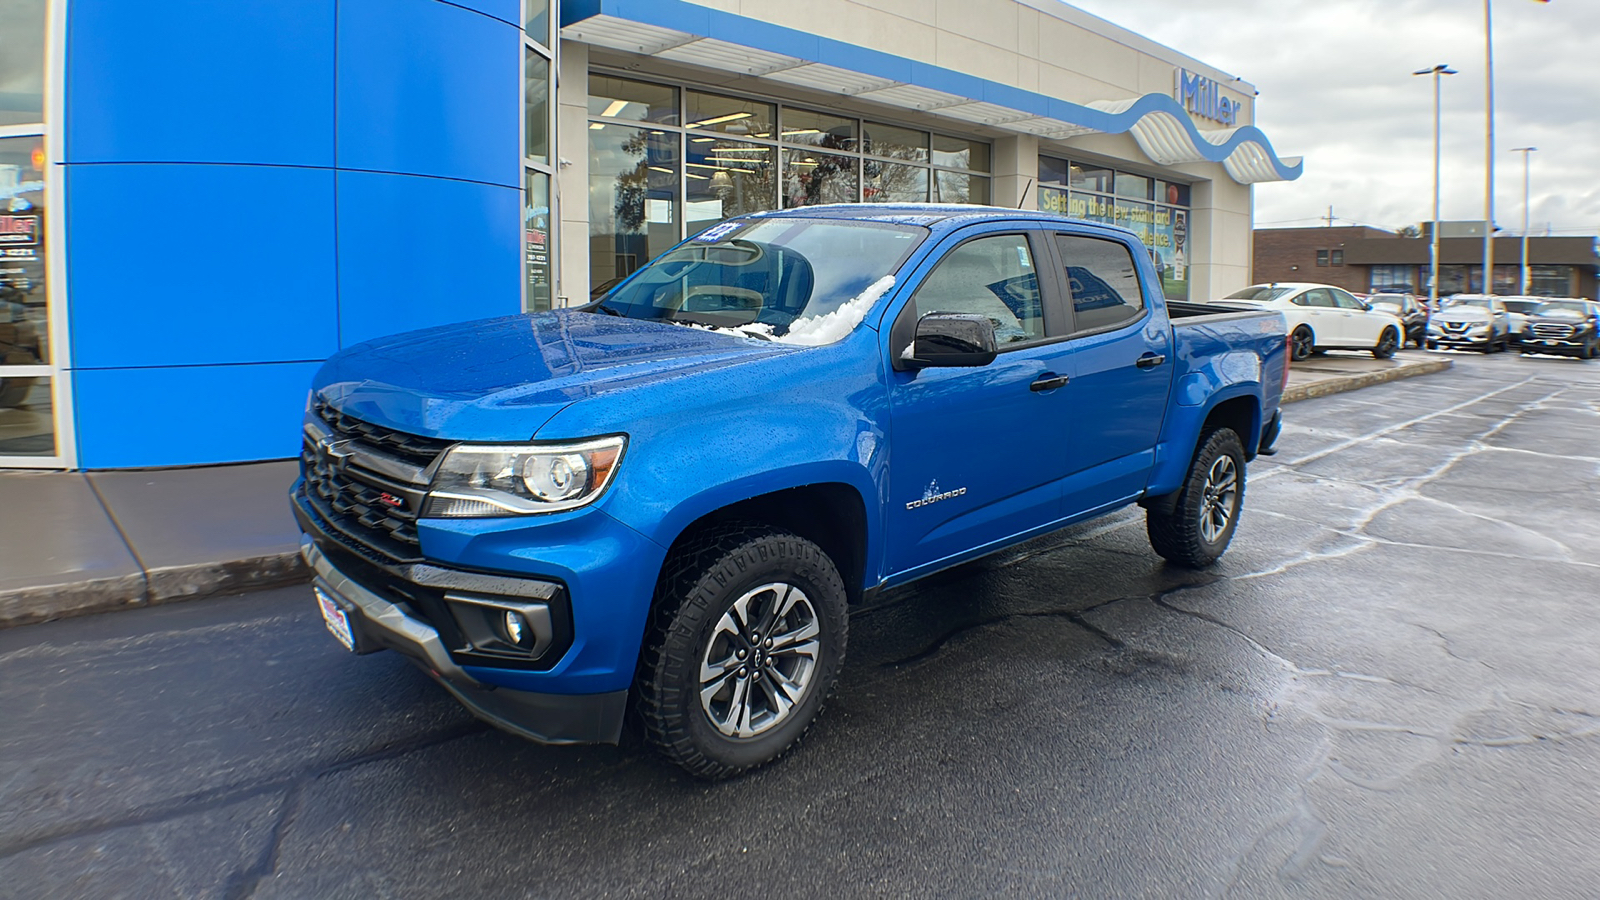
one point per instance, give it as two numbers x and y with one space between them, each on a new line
334 618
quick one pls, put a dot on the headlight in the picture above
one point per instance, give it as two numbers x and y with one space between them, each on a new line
479 480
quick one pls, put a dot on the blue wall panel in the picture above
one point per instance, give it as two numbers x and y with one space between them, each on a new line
509 10
427 88
201 81
187 265
416 252
187 416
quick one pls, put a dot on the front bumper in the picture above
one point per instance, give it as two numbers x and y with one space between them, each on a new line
378 624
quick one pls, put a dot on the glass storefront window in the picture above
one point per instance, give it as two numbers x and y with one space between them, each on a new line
727 178
536 16
22 25
24 300
1089 178
1052 171
817 129
1135 186
893 183
960 153
954 187
1172 193
894 142
623 98
536 96
728 115
811 178
536 241
27 420
633 198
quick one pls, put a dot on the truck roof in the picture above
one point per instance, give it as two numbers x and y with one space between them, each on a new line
925 214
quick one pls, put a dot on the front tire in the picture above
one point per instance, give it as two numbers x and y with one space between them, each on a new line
751 627
1388 342
1199 526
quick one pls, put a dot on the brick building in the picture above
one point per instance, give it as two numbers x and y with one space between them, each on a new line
1361 259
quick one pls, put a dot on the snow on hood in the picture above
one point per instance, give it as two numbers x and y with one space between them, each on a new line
813 331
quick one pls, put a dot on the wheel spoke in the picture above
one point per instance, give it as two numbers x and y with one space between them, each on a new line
783 642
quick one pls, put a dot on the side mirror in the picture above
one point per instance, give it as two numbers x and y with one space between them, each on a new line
948 340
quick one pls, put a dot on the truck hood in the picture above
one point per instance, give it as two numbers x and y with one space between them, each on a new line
503 379
1559 316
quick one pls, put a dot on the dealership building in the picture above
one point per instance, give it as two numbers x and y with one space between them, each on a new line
201 202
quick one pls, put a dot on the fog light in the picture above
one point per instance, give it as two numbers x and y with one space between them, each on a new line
516 627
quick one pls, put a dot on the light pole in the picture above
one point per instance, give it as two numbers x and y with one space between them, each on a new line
1525 151
1433 253
1488 148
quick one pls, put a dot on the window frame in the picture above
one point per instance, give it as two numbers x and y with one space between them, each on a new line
1322 259
547 47
1146 308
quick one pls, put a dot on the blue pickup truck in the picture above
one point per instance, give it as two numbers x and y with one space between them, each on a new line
658 509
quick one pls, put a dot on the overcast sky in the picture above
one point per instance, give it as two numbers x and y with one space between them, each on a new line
1336 87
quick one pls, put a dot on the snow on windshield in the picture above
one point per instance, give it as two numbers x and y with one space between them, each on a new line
813 331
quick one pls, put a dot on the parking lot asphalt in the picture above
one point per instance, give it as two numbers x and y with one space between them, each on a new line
1390 686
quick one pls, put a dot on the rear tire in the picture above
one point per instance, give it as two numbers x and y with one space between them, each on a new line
750 631
1302 344
1201 523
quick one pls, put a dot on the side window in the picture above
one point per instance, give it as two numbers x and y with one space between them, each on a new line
988 276
1103 281
1347 301
1319 297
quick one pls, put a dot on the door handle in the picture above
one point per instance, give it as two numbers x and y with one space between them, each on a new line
1150 360
1049 381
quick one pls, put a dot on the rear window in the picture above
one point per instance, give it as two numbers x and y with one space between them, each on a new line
1260 293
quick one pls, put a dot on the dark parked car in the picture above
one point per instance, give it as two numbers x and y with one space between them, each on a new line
1563 326
1411 313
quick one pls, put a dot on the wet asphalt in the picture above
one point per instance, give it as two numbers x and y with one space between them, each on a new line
1389 687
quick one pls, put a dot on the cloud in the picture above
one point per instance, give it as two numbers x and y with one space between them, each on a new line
1336 86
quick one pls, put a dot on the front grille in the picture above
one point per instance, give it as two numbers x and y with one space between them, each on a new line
1455 326
1552 330
367 481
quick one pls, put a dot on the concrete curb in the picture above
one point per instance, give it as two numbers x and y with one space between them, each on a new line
1339 385
171 584
174 584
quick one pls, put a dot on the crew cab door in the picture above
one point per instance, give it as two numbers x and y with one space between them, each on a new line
977 454
1123 354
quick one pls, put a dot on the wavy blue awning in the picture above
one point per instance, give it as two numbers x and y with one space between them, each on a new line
696 35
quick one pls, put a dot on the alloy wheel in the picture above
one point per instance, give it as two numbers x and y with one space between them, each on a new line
1219 497
760 660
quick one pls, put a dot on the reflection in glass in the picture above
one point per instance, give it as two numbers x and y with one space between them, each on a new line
960 153
729 115
816 129
536 242
22 62
624 98
954 187
894 142
24 300
633 198
894 183
1170 192
27 426
810 178
728 178
536 20
536 94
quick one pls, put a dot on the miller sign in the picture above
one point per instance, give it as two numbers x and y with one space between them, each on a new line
1203 97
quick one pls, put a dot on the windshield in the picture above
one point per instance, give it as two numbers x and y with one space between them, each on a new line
804 281
1559 306
1260 293
1466 302
1521 306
